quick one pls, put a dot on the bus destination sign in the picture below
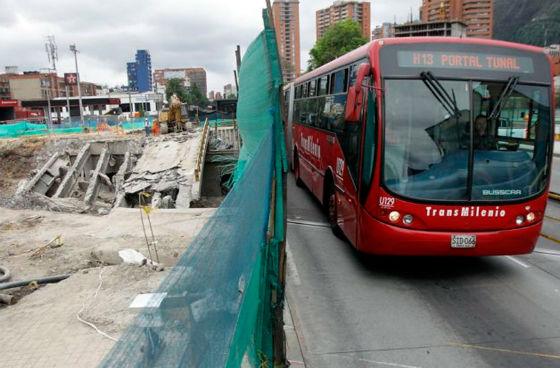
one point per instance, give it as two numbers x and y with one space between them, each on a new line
460 60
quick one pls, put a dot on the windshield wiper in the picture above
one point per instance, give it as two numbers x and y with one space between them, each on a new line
446 100
504 96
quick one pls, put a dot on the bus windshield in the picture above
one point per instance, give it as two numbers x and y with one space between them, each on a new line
466 140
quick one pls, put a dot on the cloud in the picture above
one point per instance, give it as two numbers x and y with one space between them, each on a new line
177 33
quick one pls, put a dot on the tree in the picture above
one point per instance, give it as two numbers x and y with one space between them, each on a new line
195 97
339 39
175 85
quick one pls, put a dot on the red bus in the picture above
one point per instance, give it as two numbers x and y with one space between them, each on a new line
428 146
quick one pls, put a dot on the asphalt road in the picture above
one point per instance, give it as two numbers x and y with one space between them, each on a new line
355 311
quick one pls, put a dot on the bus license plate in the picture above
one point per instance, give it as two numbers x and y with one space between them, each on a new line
463 241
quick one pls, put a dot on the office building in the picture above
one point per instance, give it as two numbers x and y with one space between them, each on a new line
357 11
189 76
476 14
433 29
286 23
140 72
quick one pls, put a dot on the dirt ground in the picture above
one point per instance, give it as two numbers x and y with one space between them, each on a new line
16 157
42 328
28 327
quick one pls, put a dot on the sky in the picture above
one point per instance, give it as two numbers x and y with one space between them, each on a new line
178 33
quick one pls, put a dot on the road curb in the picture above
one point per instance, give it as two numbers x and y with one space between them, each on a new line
294 354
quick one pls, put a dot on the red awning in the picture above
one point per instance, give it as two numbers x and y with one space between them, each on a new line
8 103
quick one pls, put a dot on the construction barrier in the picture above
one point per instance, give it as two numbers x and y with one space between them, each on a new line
221 305
25 128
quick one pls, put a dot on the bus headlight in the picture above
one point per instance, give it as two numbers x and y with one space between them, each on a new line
530 217
394 216
407 219
519 220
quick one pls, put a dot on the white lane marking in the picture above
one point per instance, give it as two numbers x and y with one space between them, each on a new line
293 272
547 252
388 364
307 223
515 260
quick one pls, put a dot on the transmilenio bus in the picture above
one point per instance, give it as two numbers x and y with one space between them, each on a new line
428 146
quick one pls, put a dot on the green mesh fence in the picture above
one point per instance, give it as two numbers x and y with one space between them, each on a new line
25 128
220 300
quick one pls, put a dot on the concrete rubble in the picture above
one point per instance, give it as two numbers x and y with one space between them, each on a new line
109 173
166 172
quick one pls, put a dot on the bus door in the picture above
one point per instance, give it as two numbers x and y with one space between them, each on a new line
351 142
369 140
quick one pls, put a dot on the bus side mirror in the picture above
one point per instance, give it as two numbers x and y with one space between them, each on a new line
355 97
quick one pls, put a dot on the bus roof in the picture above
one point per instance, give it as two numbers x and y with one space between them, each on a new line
363 51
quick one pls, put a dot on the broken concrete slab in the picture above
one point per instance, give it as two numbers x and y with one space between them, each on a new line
119 180
94 182
74 173
35 180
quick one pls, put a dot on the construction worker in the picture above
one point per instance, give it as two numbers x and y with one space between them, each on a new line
147 127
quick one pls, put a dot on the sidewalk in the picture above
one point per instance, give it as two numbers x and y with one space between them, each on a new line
294 355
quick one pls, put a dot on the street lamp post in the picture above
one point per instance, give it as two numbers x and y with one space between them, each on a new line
75 51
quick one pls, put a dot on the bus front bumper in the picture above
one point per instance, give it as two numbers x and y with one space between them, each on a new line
380 238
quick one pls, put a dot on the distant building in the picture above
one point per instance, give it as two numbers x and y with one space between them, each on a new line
218 96
476 14
131 69
433 29
140 72
340 10
554 52
229 91
190 77
386 30
41 86
286 23
211 95
11 69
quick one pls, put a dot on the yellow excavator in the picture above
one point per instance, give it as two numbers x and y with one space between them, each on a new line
172 119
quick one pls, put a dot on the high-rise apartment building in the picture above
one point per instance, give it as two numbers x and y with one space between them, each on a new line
132 76
340 10
189 76
139 72
476 14
286 23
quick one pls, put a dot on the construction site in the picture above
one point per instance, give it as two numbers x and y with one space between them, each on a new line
91 220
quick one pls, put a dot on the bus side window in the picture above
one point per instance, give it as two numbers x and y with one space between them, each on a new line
331 84
350 142
312 111
340 81
313 88
303 111
323 86
322 121
336 116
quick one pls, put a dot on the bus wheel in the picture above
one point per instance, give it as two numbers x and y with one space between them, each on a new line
299 182
332 213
